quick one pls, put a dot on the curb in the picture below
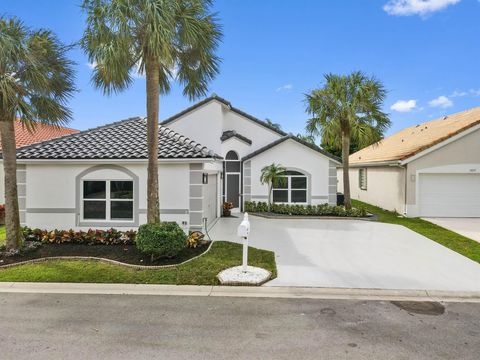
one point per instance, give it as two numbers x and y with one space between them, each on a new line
241 291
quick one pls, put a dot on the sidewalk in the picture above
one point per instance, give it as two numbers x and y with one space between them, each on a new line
240 291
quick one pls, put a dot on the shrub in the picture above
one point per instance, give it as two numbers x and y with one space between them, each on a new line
165 239
90 237
194 239
307 210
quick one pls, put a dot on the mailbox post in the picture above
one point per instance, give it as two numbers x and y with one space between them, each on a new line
243 231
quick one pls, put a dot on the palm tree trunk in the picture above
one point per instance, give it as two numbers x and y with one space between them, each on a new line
346 175
12 215
152 75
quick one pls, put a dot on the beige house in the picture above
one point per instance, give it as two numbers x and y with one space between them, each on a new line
430 170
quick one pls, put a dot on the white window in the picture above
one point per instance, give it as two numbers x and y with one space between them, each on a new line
293 189
362 179
107 200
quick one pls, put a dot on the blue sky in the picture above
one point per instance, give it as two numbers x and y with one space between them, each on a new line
427 53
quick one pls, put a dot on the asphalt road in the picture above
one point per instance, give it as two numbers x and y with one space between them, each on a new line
39 326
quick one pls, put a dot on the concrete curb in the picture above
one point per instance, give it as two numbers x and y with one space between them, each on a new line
240 291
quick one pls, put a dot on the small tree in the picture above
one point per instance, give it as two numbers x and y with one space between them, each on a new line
345 108
36 80
272 175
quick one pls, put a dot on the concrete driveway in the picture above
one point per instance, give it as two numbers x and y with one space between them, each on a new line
469 227
355 254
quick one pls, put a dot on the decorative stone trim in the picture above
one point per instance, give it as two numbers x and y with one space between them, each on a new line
103 260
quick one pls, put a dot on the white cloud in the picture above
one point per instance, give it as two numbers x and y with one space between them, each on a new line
404 105
457 93
92 65
285 87
441 102
475 92
416 7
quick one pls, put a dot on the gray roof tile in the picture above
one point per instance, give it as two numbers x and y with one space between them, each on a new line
126 139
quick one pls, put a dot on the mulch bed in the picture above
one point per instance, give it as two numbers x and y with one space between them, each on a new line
123 253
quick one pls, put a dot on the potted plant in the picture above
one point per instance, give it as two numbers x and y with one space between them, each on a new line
227 207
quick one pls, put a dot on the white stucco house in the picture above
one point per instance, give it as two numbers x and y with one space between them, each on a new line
208 154
430 170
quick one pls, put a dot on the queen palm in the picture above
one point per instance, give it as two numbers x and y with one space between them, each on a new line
345 108
272 175
164 40
36 80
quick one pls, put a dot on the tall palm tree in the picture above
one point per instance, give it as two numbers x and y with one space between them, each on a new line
165 40
308 138
272 175
348 107
36 80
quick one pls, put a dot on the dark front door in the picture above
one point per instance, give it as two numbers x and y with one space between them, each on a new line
233 189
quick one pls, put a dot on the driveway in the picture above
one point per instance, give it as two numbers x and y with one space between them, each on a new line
469 227
355 254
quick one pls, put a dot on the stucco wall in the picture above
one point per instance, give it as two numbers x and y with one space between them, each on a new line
52 192
294 156
462 155
385 187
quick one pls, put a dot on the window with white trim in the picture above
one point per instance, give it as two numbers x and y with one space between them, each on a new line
292 190
107 200
362 179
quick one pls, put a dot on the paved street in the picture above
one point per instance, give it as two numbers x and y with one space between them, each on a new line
54 326
355 254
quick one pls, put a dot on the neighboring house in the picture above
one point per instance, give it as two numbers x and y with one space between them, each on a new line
23 137
97 178
431 169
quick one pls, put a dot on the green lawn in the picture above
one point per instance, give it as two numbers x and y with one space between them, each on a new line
456 242
201 271
2 235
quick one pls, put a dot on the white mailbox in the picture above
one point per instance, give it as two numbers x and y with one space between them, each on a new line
243 231
244 228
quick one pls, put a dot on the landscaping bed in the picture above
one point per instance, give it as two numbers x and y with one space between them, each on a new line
200 271
304 211
128 254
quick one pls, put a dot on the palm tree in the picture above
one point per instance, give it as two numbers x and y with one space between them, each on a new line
308 138
163 40
36 80
272 175
348 107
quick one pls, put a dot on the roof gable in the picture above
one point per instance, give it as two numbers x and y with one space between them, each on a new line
229 106
296 139
126 139
411 141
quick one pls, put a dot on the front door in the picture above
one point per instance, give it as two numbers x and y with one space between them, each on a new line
232 185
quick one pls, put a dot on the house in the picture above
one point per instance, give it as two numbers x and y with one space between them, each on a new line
208 153
430 170
23 137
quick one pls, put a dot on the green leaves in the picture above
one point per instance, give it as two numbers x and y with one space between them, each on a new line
36 76
350 104
181 37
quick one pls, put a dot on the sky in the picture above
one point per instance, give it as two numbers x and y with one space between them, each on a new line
426 53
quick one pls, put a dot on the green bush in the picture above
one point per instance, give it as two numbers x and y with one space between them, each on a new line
165 239
306 210
90 237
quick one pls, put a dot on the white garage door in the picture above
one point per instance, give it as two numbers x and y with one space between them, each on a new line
449 195
210 199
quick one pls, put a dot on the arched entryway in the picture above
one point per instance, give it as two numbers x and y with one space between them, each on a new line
232 177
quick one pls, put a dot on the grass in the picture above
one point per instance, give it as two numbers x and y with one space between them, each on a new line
2 235
201 271
456 242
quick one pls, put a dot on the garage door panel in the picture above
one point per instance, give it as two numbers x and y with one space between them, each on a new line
449 195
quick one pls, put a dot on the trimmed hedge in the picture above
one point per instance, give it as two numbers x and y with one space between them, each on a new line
90 237
306 210
165 239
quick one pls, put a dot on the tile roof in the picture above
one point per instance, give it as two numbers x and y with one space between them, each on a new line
126 139
412 140
232 133
298 140
229 105
42 132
